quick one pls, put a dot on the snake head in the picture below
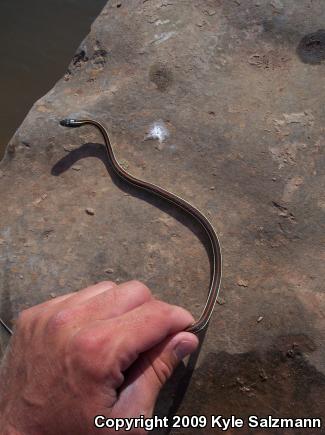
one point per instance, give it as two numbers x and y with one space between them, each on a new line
68 122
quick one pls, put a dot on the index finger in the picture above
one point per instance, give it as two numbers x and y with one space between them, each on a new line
137 331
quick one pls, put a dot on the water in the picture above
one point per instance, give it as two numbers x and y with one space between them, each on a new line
37 41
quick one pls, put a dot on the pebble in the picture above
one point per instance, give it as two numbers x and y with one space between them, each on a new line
277 4
210 12
263 375
159 146
242 283
201 23
90 211
69 148
40 199
53 295
76 167
260 319
109 270
290 353
245 389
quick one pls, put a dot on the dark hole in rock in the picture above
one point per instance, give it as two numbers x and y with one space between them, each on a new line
311 48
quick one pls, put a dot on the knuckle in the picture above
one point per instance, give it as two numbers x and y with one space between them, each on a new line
86 343
88 355
27 322
183 313
173 313
24 318
163 308
162 369
114 374
141 288
61 319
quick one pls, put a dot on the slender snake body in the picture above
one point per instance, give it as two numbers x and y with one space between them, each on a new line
203 320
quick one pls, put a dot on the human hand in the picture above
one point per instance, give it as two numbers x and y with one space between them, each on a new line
105 350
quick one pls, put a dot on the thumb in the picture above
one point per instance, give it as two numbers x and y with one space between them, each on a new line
150 372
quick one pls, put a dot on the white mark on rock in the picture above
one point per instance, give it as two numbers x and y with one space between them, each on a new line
158 22
162 37
158 131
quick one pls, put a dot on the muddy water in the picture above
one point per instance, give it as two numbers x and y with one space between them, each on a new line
37 41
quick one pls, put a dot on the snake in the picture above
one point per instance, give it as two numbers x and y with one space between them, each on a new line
215 252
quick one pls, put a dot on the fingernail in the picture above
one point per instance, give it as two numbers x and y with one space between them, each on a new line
183 348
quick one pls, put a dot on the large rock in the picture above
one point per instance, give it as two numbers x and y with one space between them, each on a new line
237 88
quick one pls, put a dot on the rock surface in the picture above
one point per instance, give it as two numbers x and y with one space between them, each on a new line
221 103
